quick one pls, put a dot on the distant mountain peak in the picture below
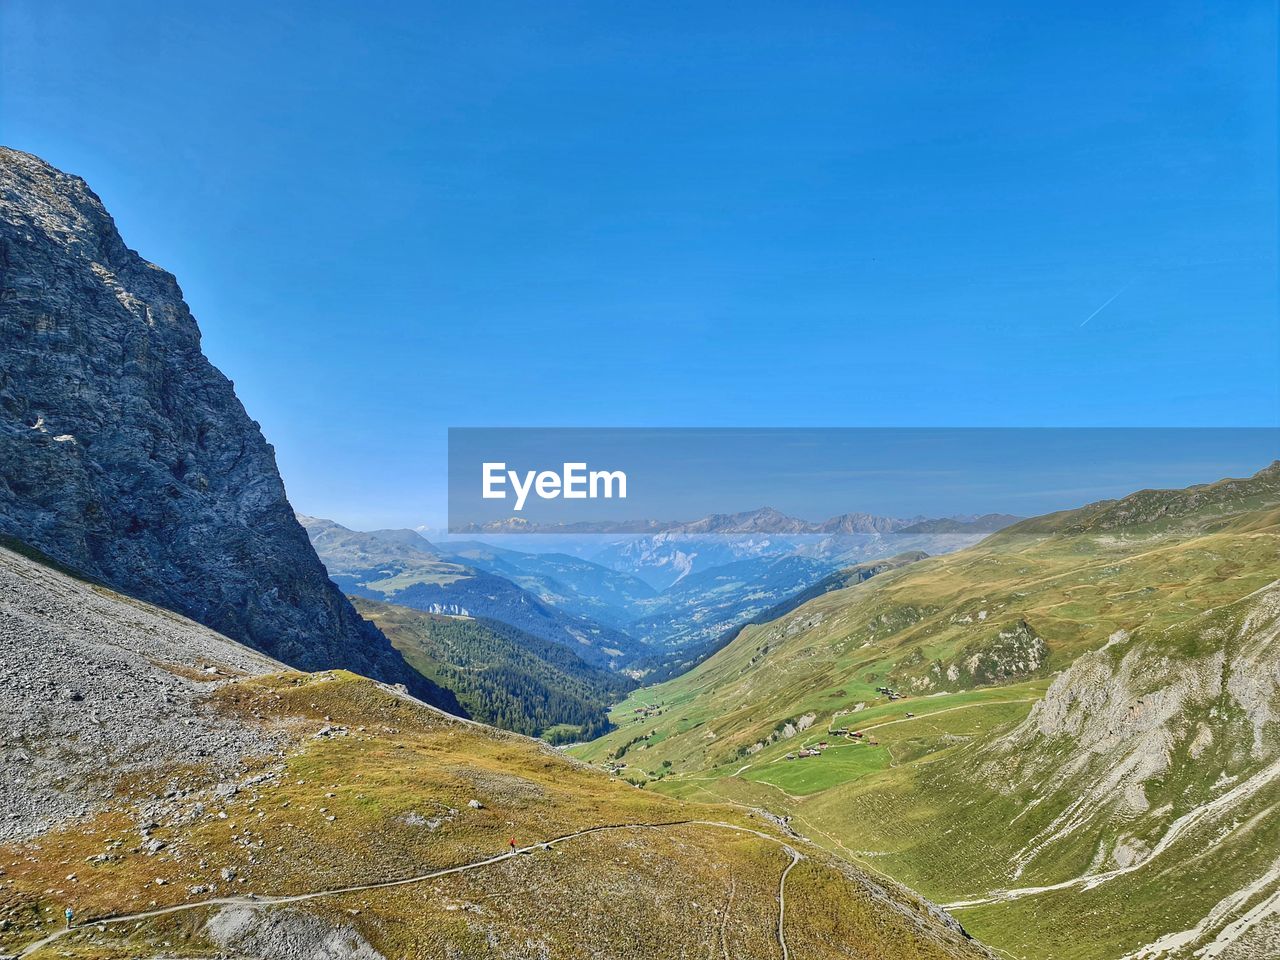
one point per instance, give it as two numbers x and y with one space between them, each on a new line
760 520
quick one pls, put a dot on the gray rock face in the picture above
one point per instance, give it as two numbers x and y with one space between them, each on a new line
1195 704
125 454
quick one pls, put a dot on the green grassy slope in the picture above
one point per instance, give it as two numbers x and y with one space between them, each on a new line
502 675
188 797
1123 654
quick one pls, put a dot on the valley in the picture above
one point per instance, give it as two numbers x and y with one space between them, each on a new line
554 612
401 566
341 817
209 752
1081 710
229 729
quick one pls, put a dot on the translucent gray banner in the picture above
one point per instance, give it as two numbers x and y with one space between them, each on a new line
817 481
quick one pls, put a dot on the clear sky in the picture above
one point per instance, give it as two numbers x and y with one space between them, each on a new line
392 218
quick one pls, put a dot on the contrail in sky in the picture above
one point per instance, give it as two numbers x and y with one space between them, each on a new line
1108 301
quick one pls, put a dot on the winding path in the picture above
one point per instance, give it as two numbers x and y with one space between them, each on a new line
782 900
268 901
724 919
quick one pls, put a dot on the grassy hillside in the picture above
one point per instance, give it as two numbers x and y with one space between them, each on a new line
1064 694
705 604
502 675
670 664
1140 791
323 814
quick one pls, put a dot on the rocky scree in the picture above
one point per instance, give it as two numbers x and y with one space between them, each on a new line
98 687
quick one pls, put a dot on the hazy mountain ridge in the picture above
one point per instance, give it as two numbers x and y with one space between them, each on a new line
687 591
760 520
572 583
126 455
664 559
704 605
671 590
397 570
987 523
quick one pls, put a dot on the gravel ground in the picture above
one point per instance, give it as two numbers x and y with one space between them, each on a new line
96 686
287 935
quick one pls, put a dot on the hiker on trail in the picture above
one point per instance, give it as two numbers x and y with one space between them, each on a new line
69 915
513 844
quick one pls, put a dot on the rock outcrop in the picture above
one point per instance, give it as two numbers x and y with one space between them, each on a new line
1155 724
125 454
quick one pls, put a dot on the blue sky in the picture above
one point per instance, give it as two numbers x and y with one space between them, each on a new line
394 218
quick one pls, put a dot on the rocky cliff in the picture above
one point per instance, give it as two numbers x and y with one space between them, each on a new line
125 454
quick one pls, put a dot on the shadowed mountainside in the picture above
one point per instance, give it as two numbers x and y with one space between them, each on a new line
502 675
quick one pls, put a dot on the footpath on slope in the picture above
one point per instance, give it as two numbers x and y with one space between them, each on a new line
253 901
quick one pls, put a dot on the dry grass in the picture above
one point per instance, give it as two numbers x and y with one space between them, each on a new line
384 794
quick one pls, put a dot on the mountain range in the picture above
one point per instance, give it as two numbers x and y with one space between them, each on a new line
402 567
568 582
230 730
761 520
190 767
609 617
